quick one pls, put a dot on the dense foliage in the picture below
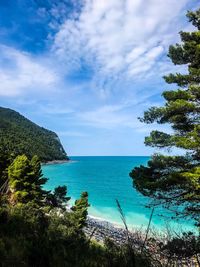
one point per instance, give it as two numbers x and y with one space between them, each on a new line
174 181
80 208
36 229
19 135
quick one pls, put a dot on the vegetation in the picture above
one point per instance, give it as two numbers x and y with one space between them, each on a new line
37 230
80 209
174 181
19 135
182 247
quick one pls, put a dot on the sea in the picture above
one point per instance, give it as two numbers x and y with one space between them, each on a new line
106 179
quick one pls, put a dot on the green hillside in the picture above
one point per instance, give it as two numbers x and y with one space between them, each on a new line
19 135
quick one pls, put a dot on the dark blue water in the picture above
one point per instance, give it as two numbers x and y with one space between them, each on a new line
107 179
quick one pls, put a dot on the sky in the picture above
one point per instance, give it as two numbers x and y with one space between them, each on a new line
88 69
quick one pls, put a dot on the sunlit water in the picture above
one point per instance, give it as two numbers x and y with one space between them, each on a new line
107 179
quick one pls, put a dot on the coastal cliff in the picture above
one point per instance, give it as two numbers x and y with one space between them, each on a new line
18 135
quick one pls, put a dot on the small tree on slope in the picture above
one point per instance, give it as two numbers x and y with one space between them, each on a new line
174 181
25 180
80 209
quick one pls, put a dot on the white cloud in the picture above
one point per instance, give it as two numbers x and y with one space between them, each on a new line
20 73
119 37
71 133
55 110
120 117
109 117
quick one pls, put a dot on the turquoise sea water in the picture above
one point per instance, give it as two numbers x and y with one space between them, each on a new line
107 179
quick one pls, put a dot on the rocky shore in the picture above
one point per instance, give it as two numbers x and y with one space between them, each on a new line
99 230
52 162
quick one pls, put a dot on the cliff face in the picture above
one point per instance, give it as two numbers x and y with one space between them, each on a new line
19 135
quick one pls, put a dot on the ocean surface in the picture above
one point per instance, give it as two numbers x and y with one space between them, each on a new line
107 179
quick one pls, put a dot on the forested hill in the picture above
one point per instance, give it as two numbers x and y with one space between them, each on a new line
19 135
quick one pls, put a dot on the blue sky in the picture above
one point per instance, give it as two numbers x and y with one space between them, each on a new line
88 69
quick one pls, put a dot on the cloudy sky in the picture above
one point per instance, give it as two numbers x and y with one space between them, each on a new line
87 69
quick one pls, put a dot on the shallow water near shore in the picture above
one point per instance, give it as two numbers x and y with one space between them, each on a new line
107 179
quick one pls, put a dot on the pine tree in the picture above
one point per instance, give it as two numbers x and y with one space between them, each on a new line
80 209
25 180
174 181
58 198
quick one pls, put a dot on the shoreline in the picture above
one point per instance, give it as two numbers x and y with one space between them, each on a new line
53 162
99 230
103 220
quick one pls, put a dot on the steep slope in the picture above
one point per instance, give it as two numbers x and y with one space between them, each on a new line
19 135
